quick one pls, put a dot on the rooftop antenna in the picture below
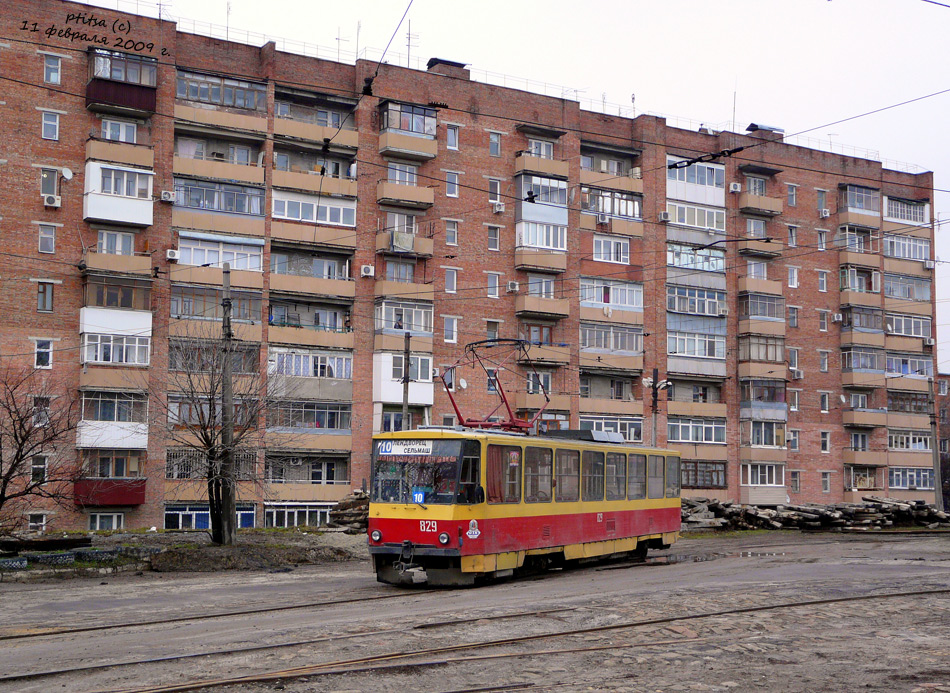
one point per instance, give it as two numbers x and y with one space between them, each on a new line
410 37
633 104
227 22
358 25
339 39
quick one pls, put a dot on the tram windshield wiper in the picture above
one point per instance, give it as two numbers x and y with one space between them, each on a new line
420 505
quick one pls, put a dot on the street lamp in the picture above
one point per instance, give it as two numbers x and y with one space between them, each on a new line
655 385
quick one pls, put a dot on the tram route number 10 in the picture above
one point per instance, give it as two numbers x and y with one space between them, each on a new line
427 526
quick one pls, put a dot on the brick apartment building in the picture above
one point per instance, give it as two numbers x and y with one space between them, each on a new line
784 293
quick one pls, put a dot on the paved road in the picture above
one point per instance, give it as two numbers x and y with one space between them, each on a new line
899 644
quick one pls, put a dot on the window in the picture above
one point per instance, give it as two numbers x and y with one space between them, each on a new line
451 281
52 69
311 364
757 269
44 297
762 475
535 333
766 391
452 136
41 411
420 368
219 91
823 361
770 434
107 292
755 228
312 415
825 441
611 202
402 272
584 383
822 240
301 208
683 299
106 522
614 249
120 407
630 427
793 358
711 175
503 474
756 185
541 148
451 184
912 441
793 316
125 183
791 439
215 253
105 348
402 174
914 212
697 217
494 237
112 464
944 387
541 285
398 315
494 284
792 195
281 161
451 330
492 380
451 233
908 325
861 198
863 318
601 292
115 243
696 344
239 155
908 288
50 128
392 421
39 469
683 430
795 481
793 277
908 402
792 397
824 402
761 306
619 389
205 304
859 442
494 190
126 67
405 117
118 131
492 329
821 196
538 383
696 474
792 236
822 320
548 236
909 365
911 478
862 358
49 181
494 144
611 337
822 280
826 482
567 475
907 247
36 522
43 353
688 257
550 191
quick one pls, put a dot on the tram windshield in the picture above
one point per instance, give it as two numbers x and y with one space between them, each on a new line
440 472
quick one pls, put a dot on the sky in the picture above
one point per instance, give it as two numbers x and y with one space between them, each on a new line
797 64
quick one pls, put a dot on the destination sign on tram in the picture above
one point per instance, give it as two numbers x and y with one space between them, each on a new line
405 447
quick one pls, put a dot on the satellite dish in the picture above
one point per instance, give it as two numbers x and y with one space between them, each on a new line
67 174
843 399
462 383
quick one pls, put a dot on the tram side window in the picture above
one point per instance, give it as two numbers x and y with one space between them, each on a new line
537 475
637 479
469 492
655 476
568 467
592 473
504 474
672 477
616 476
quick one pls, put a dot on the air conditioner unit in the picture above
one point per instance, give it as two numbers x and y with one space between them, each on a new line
512 287
636 172
735 187
930 341
724 311
608 311
498 207
435 372
929 264
664 216
602 218
173 255
168 196
825 213
367 271
52 200
837 317
797 374
603 166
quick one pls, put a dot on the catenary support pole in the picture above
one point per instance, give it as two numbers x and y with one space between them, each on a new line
405 383
228 502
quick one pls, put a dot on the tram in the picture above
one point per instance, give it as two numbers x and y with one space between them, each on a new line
452 506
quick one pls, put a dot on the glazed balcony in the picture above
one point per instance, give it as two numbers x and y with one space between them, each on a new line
110 96
108 492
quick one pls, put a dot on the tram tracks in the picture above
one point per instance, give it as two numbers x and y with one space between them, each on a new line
447 655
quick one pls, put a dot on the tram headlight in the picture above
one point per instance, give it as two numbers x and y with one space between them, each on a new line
444 538
376 535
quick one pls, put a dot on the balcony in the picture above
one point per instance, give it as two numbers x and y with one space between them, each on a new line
308 335
139 264
857 217
396 342
211 329
902 305
760 204
412 196
106 492
542 307
327 442
112 434
407 146
759 286
524 401
218 168
772 328
599 179
911 267
762 369
601 405
304 492
706 369
312 181
240 224
298 129
907 383
701 409
762 495
108 96
96 377
766 247
748 453
853 257
525 163
862 338
213 276
221 118
864 458
139 155
548 354
612 362
864 418
862 378
860 298
405 290
421 247
612 315
319 286
544 260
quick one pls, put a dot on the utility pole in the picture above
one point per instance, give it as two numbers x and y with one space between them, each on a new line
935 446
226 484
405 383
655 385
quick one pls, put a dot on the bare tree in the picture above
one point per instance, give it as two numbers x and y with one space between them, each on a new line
38 420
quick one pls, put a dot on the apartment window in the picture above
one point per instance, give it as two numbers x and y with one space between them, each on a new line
451 330
451 281
494 284
762 348
755 228
584 383
792 397
220 91
757 269
44 297
619 389
541 148
859 279
494 144
630 427
298 207
907 247
216 253
791 439
52 69
859 442
452 136
907 288
911 478
115 243
697 474
538 383
39 469
795 481
755 185
908 325
696 344
106 522
762 391
821 197
451 184
47 238
402 223
792 236
41 411
402 272
309 364
859 400
113 464
492 380
763 475
618 338
914 212
611 202
105 348
405 117
824 440
116 407
793 277
49 181
494 190
239 155
861 198
911 441
683 299
50 128
761 306
692 258
822 320
770 434
541 285
310 415
531 234
944 387
823 361
684 430
36 522
695 216
133 69
822 280
403 174
492 329
603 292
404 316
614 249
281 161
451 233
793 316
909 365
792 195
118 131
824 402
825 481
862 358
793 358
126 183
494 237
710 175
43 353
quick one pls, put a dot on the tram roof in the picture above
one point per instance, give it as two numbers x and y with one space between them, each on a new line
569 436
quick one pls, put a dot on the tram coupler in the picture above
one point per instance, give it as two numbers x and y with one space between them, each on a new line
407 569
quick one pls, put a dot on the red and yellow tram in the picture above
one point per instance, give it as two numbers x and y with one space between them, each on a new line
451 505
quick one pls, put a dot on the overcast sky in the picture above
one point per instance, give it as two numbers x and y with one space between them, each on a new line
796 64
